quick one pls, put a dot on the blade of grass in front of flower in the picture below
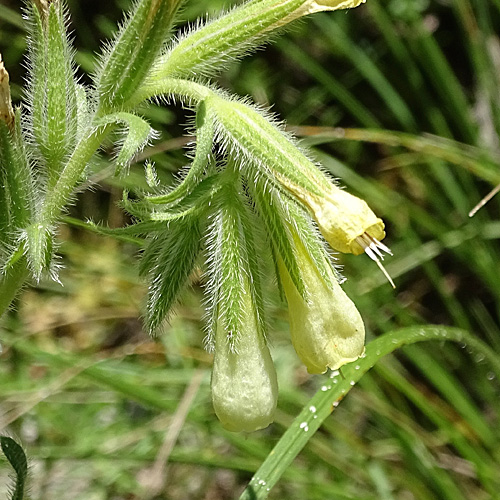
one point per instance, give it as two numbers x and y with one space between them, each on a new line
17 459
335 389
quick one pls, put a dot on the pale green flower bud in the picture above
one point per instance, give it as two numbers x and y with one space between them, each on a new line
327 331
244 385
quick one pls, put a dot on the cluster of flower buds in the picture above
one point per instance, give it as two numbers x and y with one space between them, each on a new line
251 199
254 193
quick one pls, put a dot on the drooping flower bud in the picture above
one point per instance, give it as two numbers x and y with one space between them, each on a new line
342 218
244 385
347 223
327 331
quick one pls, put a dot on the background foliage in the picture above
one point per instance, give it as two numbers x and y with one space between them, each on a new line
101 408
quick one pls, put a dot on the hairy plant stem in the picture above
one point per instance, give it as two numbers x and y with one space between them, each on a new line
175 87
59 196
13 279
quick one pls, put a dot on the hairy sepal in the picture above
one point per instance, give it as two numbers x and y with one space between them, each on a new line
231 254
126 61
52 94
168 260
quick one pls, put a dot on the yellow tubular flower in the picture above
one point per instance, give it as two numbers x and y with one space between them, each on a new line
327 331
346 222
244 385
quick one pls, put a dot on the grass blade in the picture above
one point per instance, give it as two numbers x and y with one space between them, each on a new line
329 396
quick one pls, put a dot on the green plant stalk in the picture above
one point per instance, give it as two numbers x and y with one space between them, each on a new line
335 389
70 175
14 278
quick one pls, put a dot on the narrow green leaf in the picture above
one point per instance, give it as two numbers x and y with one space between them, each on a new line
17 459
168 261
335 389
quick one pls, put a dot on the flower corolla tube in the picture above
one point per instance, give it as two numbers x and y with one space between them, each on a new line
327 331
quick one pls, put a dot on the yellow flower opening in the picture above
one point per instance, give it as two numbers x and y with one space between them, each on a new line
346 222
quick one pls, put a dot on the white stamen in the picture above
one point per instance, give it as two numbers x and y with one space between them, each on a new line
374 248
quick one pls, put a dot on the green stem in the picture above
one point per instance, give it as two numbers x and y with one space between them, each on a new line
185 89
59 196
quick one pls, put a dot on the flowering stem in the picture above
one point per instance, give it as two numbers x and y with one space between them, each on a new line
58 197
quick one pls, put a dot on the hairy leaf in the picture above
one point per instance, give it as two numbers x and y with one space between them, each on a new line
168 261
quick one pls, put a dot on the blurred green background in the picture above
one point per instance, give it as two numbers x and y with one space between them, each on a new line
400 99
